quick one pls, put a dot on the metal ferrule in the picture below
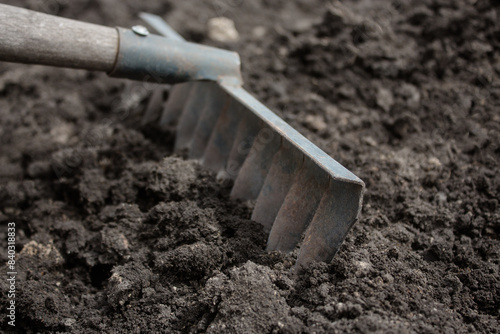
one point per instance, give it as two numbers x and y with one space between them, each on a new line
164 60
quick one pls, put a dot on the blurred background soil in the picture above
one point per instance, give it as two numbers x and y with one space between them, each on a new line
115 234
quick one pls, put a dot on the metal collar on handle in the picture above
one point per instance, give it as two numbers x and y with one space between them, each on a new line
167 60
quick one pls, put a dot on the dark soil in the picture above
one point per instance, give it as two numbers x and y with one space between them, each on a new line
115 234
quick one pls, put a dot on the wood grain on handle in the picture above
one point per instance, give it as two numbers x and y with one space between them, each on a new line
35 38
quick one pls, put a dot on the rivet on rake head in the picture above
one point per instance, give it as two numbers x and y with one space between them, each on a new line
140 30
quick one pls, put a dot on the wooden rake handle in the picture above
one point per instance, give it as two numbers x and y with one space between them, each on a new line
34 38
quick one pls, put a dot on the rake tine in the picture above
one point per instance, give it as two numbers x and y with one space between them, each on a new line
215 103
154 107
247 131
298 208
334 217
278 181
256 166
222 138
175 103
190 116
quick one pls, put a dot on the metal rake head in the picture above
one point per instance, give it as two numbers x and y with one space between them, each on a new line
301 193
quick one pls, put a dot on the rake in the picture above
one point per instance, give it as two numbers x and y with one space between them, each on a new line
302 196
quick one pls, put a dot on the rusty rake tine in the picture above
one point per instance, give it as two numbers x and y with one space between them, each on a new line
248 129
175 104
253 173
298 208
336 214
222 138
214 104
154 107
276 185
190 116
